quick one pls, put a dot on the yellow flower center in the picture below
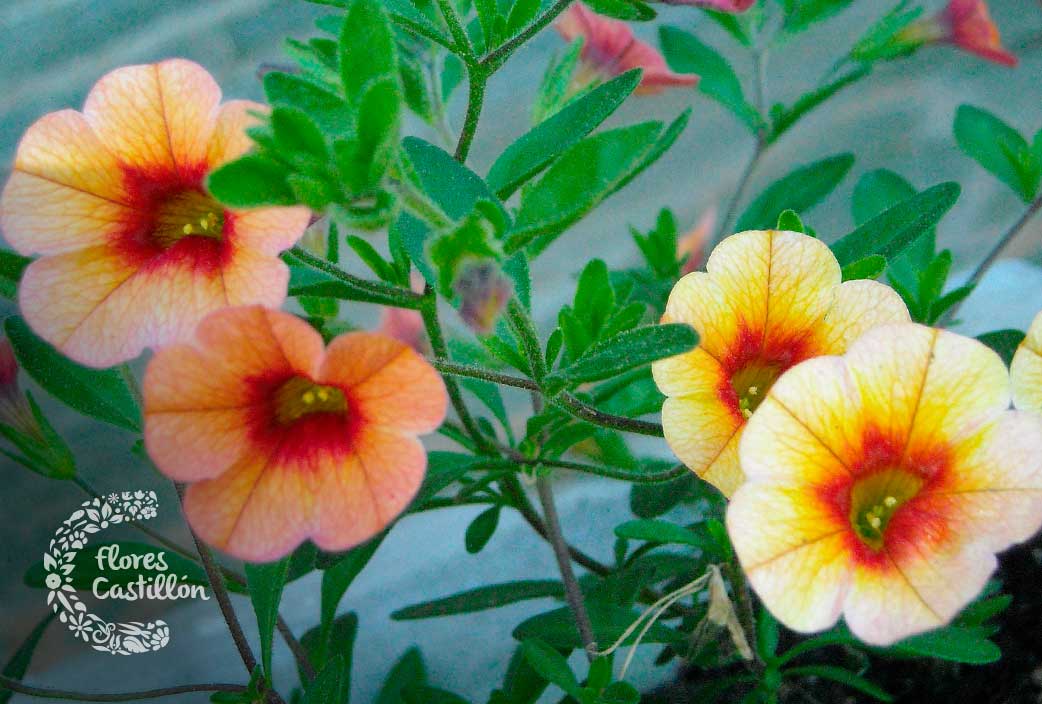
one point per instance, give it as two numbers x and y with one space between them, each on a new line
300 396
187 214
875 499
751 384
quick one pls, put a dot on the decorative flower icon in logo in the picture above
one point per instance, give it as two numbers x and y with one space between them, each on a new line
58 563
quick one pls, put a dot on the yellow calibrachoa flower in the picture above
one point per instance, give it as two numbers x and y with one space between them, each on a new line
768 300
881 484
1026 369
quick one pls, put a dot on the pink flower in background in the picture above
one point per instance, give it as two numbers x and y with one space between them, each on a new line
734 6
692 245
610 49
966 24
135 251
404 324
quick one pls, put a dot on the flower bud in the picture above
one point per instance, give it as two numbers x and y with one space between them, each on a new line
484 291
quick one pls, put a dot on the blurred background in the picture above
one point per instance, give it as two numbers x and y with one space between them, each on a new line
52 51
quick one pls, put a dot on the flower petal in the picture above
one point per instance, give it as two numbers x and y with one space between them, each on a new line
229 139
359 498
1026 369
157 115
858 306
391 384
703 433
794 552
65 190
270 230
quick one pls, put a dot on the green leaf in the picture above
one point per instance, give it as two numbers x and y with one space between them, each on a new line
265 582
790 221
294 131
555 90
799 190
327 687
307 281
782 118
629 10
473 239
377 133
551 665
491 596
329 110
630 349
767 634
1004 342
687 54
251 181
11 267
844 677
558 629
881 42
443 468
337 578
890 232
154 562
18 665
998 148
409 670
620 693
535 150
871 267
651 500
801 14
481 529
582 177
657 531
423 694
877 191
98 393
367 48
953 643
333 643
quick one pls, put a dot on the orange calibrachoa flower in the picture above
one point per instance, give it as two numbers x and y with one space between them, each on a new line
283 439
135 251
610 49
882 483
966 24
1026 369
769 300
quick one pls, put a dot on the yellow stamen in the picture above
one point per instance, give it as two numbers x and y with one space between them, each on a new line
301 396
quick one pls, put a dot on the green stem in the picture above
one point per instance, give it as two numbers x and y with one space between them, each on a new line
572 592
524 328
29 690
466 370
993 255
607 420
456 29
612 472
477 79
394 295
429 311
495 59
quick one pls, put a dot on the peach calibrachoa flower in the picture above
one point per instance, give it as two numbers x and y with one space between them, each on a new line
882 483
284 440
610 49
135 251
966 24
769 300
1026 369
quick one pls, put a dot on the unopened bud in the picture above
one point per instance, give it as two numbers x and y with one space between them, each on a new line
484 291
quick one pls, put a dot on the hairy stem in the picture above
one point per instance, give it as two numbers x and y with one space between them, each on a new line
608 420
29 690
496 58
564 564
395 295
477 79
993 255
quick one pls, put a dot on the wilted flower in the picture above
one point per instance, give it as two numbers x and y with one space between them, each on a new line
610 49
283 439
135 251
1026 369
962 23
484 291
14 407
769 300
881 484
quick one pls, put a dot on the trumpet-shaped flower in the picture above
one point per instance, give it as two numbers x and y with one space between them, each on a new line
881 484
1026 369
134 250
610 49
283 439
768 300
966 24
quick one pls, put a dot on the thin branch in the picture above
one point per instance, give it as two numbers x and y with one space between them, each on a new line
466 370
608 420
564 563
456 29
667 475
32 691
495 59
402 297
993 255
299 654
477 79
